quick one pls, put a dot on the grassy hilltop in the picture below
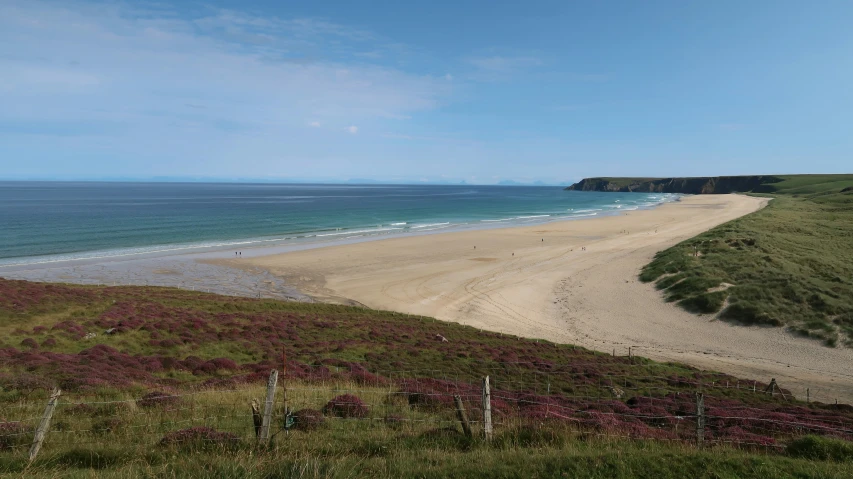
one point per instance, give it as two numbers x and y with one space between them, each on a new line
166 394
790 264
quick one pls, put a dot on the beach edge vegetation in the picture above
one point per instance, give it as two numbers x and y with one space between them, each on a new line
789 264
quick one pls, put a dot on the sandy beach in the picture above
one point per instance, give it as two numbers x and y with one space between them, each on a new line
569 282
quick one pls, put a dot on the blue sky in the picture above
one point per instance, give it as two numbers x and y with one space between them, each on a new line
412 91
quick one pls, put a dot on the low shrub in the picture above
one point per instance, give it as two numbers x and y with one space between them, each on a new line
307 419
158 399
346 406
820 448
106 426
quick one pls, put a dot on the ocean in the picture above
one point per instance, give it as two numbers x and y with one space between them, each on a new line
46 222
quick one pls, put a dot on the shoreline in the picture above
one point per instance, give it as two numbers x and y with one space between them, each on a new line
539 282
533 281
296 241
199 268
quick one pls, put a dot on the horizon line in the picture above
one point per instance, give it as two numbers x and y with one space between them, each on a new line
359 181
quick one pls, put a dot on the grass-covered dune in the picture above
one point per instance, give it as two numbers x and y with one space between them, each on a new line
558 409
789 264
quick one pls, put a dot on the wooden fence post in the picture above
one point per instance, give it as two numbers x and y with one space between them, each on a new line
284 391
268 404
487 410
548 404
44 425
463 418
771 388
808 396
256 417
700 419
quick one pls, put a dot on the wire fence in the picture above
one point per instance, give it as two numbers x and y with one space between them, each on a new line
422 402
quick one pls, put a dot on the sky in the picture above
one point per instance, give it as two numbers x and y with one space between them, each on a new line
474 91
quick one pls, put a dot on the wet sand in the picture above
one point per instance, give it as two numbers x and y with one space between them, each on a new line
539 282
178 271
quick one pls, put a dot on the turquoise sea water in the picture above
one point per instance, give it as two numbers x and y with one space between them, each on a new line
44 222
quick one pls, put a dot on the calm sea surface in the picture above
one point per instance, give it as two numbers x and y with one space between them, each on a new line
46 222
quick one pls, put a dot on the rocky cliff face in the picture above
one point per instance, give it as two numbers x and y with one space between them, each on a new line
693 186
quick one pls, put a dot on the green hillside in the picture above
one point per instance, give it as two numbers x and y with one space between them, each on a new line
790 264
811 184
157 382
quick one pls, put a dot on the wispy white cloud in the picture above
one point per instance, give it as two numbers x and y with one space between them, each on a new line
109 89
500 67
505 64
272 28
212 78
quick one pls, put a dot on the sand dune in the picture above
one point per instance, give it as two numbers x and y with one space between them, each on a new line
538 282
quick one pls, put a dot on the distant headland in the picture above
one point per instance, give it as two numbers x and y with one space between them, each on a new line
697 186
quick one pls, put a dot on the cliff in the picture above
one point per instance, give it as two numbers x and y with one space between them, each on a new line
693 186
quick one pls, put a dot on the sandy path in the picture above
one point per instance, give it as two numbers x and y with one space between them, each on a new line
538 282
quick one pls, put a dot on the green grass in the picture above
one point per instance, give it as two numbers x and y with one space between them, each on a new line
790 264
821 448
398 459
810 184
427 444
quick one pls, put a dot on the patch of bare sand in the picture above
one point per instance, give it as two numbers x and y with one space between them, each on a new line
542 284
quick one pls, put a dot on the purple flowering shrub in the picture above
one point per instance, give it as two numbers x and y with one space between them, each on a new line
167 339
158 399
308 419
346 406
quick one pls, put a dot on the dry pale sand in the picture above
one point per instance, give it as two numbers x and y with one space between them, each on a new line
537 282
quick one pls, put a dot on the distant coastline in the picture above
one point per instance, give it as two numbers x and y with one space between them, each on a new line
693 186
706 185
